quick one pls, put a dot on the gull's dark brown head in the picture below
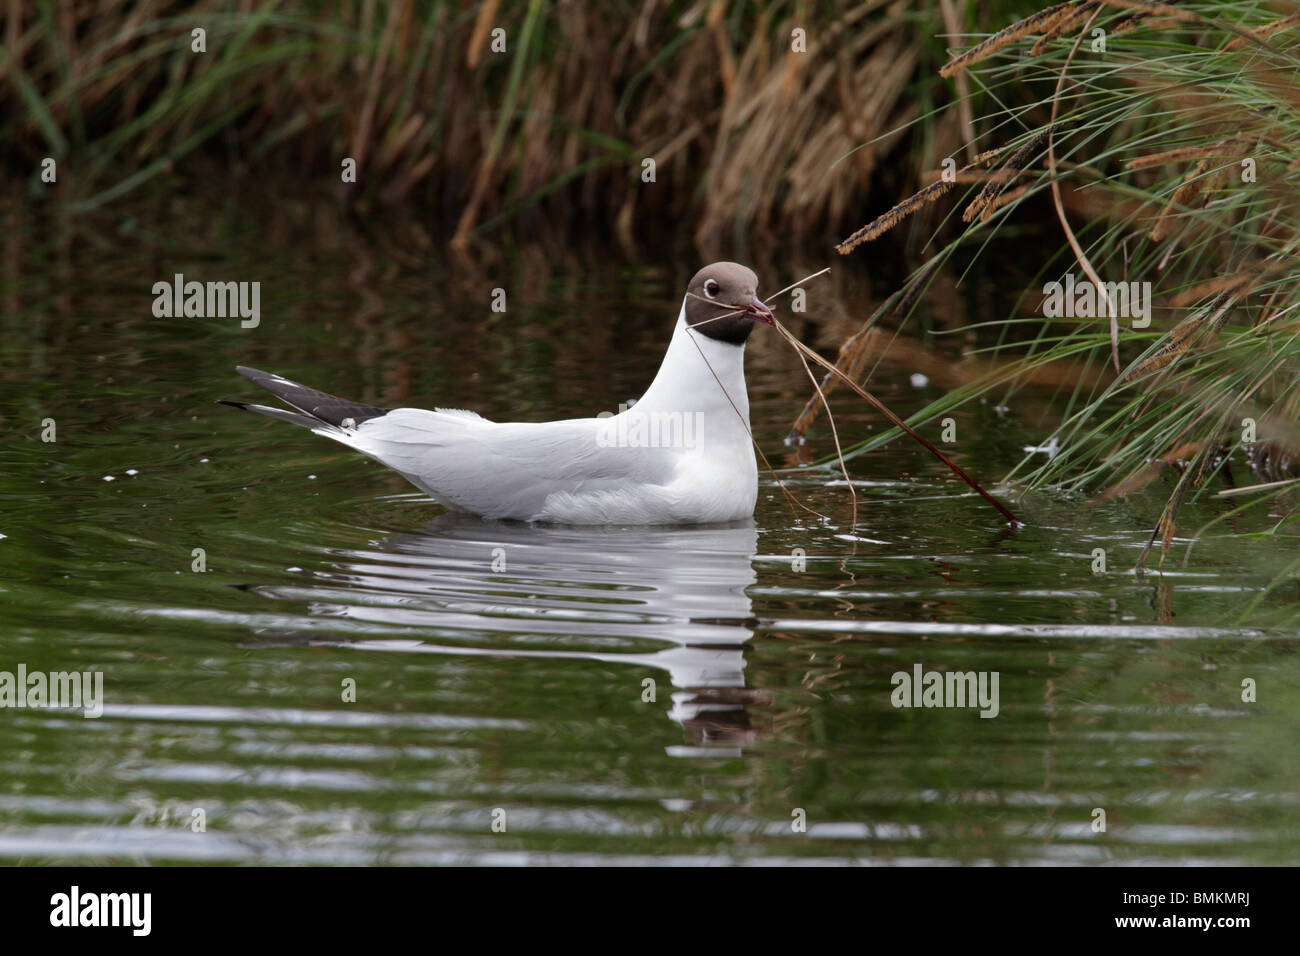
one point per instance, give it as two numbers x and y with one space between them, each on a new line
722 303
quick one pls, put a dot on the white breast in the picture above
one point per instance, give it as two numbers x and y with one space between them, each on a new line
696 410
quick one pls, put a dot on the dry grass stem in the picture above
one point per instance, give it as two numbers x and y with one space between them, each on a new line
1004 176
1004 200
1145 10
1266 31
1062 27
1179 341
893 217
835 433
1238 284
989 155
1196 182
1035 23
896 421
854 351
1229 147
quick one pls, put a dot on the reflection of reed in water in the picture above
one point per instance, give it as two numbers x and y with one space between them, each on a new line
504 588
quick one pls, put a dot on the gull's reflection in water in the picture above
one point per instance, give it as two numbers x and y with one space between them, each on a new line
606 594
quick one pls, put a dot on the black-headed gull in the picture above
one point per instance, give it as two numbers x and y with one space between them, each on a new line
681 455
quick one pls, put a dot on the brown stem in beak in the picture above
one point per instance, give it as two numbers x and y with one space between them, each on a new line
759 310
895 420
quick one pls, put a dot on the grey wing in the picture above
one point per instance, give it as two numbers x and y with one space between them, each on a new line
504 469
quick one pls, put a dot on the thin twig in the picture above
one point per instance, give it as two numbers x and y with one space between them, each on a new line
835 435
1060 206
767 464
895 420
1253 488
799 283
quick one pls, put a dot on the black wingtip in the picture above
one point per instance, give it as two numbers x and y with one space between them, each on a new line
242 406
321 406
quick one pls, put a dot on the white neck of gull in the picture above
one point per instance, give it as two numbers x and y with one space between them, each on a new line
699 374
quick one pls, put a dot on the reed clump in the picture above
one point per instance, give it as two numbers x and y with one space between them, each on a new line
725 116
1183 127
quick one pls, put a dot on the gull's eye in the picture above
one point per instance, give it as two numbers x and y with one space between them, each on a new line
711 288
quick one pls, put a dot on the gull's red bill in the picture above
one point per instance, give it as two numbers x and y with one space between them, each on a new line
760 311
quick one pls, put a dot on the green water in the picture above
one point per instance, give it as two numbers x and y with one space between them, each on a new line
610 695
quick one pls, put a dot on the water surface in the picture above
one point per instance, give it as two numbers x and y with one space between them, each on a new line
623 695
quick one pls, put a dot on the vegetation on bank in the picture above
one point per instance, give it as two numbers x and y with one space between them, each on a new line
483 112
1166 142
